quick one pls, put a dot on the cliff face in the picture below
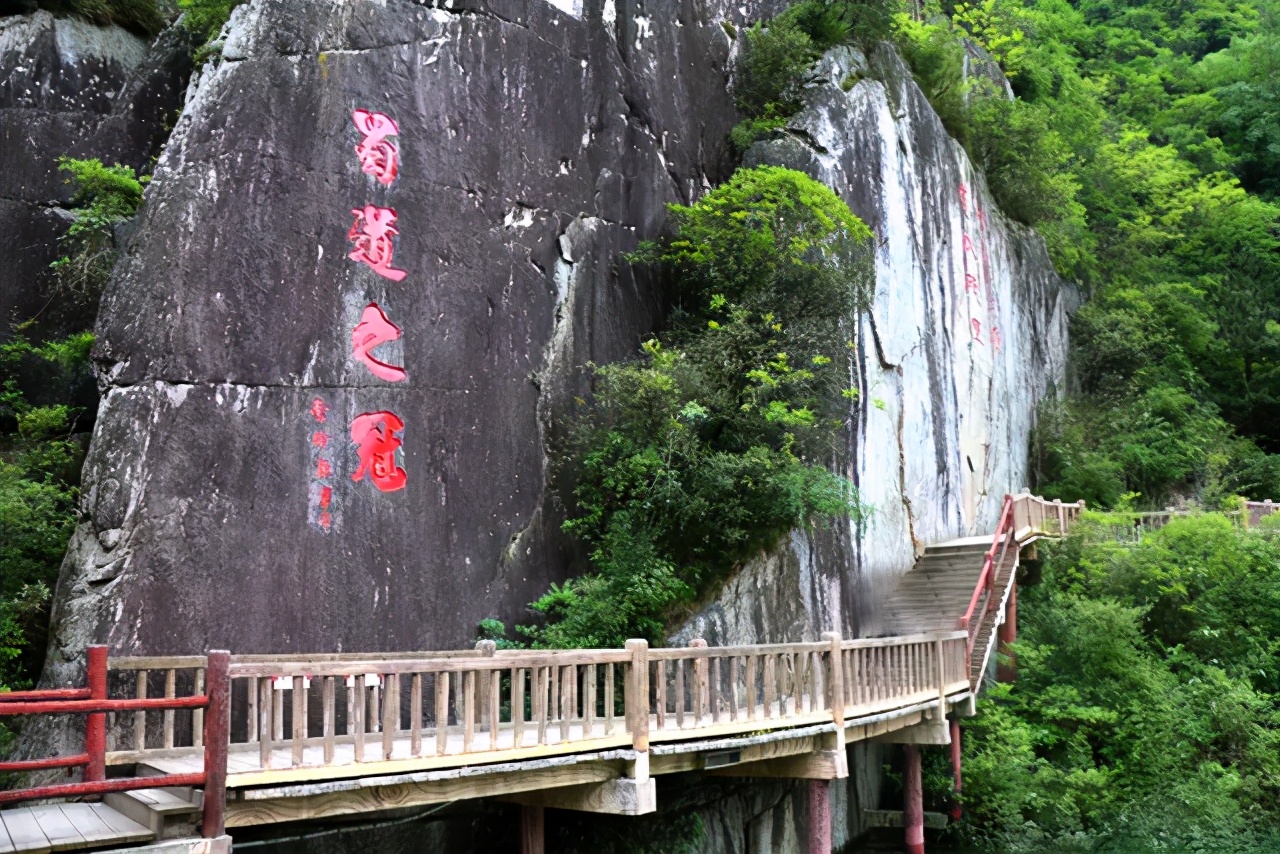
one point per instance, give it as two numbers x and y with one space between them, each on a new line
70 88
968 333
227 501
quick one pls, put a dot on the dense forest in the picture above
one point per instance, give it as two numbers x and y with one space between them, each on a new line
1143 142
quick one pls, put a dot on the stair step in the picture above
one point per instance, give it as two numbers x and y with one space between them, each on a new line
165 812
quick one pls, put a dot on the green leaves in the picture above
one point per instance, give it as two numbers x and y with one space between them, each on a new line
1144 717
715 443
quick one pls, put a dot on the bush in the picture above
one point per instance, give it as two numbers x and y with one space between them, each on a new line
105 196
772 67
144 17
206 18
716 443
1144 717
39 467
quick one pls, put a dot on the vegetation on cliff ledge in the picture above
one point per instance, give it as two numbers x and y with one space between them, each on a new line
718 441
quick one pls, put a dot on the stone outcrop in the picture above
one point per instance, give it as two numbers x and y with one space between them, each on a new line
68 87
535 146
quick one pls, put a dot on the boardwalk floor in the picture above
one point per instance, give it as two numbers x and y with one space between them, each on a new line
244 766
64 827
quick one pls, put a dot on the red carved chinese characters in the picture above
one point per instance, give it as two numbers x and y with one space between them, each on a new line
376 445
971 284
997 340
372 235
964 198
378 155
976 325
375 328
322 493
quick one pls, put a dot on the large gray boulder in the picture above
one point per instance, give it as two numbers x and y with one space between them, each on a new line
225 503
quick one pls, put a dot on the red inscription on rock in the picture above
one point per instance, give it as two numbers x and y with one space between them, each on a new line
376 446
375 328
372 235
378 155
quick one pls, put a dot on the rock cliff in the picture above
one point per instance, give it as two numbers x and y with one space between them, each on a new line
968 333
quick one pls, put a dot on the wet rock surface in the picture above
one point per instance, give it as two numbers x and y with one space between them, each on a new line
68 87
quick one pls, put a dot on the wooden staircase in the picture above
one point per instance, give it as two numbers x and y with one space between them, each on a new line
935 592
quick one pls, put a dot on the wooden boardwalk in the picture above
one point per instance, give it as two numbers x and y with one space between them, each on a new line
67 827
236 741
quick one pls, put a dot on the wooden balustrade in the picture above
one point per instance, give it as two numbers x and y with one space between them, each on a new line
295 714
378 708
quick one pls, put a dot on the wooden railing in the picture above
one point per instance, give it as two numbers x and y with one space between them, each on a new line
94 703
1022 517
277 719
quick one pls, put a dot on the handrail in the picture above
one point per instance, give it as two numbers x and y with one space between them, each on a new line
1023 517
985 580
94 704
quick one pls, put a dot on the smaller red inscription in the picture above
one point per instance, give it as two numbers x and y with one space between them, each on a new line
325 521
967 242
982 219
375 328
964 198
374 435
997 340
323 469
971 284
976 325
320 440
326 496
372 235
319 409
378 155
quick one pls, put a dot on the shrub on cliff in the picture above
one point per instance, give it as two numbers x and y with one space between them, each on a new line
776 57
144 17
105 196
716 443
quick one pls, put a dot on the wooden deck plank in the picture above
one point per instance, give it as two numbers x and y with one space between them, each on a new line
24 831
60 832
87 823
124 828
6 843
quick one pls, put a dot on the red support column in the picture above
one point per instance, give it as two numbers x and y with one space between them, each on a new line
217 738
95 732
532 830
912 801
820 817
1009 634
955 769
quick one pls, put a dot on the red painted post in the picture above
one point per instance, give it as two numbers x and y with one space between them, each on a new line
819 817
955 770
1009 634
95 732
532 830
217 738
912 801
